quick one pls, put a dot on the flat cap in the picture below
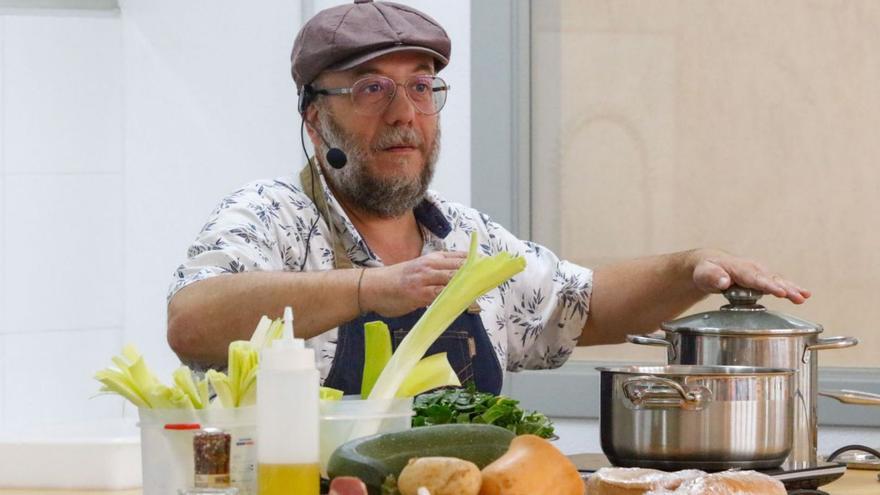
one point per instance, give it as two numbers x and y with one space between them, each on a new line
346 36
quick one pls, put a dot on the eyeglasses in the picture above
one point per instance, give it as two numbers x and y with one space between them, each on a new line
371 95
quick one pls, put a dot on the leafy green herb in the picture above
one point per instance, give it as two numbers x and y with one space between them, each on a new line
467 405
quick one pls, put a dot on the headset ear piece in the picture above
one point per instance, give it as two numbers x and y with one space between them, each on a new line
305 98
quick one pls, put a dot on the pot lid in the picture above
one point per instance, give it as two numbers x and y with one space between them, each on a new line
742 316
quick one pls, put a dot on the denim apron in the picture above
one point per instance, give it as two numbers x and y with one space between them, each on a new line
465 342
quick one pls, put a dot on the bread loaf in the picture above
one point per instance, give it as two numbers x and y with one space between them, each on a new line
636 481
729 483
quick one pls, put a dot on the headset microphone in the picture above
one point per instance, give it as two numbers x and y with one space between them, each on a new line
336 158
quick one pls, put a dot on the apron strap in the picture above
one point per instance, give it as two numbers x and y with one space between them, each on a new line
310 182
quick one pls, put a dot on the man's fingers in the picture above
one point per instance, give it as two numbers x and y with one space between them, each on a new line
437 277
765 283
446 263
790 289
429 293
455 254
717 275
711 277
437 255
794 293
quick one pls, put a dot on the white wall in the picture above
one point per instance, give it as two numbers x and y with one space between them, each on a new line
119 134
61 212
209 106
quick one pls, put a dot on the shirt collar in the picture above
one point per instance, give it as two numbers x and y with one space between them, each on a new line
428 214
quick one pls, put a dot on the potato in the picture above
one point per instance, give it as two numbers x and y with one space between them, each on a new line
440 475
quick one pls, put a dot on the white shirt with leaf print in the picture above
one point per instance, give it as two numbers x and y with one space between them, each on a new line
533 320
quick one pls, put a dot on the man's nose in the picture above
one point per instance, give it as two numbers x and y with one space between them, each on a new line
401 110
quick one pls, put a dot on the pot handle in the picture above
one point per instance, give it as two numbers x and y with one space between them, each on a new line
648 340
641 392
853 397
829 343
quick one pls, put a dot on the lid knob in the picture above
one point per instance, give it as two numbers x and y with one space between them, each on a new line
741 296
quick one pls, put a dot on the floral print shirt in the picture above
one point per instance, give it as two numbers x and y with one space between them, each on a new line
533 320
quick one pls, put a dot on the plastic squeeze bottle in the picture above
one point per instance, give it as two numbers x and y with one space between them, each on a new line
287 417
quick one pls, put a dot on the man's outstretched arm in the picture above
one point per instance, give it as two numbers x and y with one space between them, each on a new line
205 316
636 296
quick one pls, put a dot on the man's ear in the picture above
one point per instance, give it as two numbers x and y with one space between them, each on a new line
311 120
310 116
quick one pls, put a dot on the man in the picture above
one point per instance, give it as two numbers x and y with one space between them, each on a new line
358 237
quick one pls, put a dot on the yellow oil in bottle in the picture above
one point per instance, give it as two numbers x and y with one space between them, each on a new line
289 479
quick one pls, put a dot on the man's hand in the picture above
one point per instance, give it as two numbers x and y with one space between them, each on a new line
398 289
715 271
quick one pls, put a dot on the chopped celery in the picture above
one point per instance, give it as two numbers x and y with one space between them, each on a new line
162 397
134 380
204 396
242 370
258 338
432 372
118 382
377 352
184 382
220 383
267 330
327 393
237 387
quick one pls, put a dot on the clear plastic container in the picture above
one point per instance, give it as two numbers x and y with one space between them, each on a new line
339 418
167 454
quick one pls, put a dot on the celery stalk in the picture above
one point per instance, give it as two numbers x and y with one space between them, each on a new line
220 383
327 393
247 396
477 276
117 382
204 397
377 352
130 353
432 372
162 397
258 338
183 380
133 379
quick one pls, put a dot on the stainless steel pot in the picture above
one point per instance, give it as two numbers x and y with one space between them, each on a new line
700 417
745 333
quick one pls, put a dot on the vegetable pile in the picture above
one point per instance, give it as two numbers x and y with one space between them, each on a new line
134 380
467 405
457 459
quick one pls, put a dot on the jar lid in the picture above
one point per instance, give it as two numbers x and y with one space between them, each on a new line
742 316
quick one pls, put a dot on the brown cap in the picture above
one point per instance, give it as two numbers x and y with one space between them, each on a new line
346 36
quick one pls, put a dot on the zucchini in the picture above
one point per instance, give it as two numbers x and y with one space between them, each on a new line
374 458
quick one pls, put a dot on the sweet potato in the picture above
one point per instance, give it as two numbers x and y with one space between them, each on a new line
531 466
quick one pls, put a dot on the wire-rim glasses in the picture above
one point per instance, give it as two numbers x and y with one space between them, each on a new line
371 95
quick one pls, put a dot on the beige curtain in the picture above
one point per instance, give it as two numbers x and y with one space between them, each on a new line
753 126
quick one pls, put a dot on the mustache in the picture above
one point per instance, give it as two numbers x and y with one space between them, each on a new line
397 136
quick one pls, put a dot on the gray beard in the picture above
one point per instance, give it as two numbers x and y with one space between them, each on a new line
384 197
